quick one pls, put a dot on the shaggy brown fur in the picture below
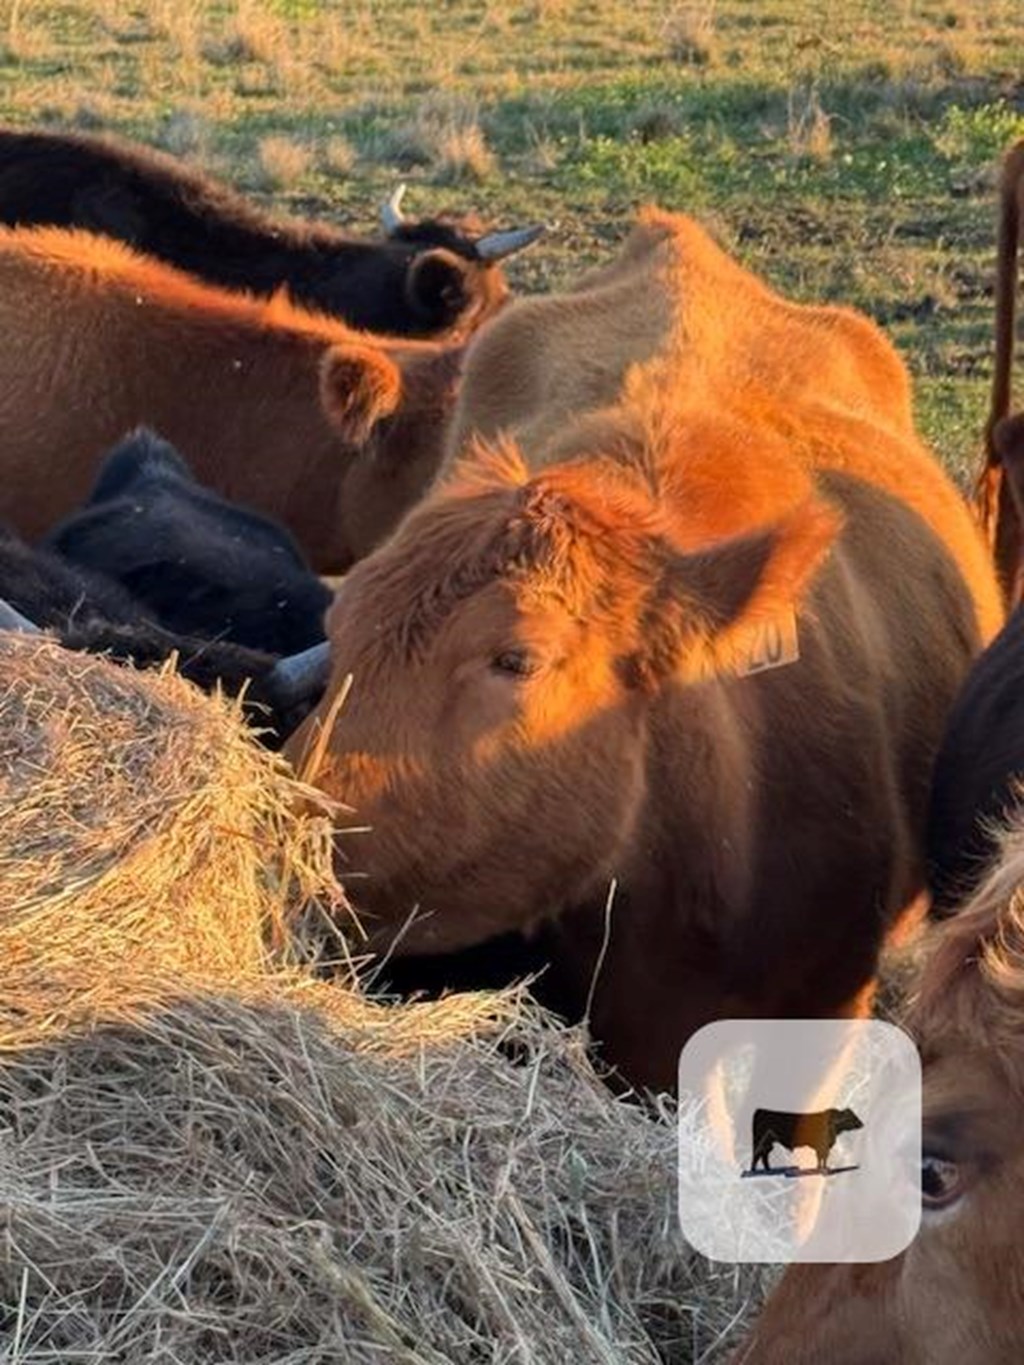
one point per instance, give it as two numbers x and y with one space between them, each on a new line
550 692
956 1296
272 406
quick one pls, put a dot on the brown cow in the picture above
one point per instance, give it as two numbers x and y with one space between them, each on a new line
700 640
556 356
272 406
956 1295
995 503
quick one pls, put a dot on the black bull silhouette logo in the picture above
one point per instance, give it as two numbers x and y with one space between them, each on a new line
818 1129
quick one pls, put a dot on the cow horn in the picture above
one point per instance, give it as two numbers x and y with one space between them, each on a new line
12 619
391 210
297 675
495 246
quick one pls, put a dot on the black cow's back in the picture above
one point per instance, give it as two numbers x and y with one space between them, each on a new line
89 612
50 591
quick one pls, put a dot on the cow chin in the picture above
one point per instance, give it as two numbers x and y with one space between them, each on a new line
817 1315
936 1304
466 902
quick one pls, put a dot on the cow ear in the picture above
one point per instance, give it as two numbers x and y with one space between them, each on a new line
437 287
723 596
359 386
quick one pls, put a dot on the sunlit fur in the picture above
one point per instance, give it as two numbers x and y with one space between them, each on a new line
672 295
676 332
270 404
627 546
956 1297
115 264
972 989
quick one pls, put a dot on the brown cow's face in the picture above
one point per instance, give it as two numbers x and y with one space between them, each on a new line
963 1277
513 721
506 647
485 707
956 1296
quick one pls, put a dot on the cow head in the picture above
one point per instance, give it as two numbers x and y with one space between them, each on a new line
845 1121
508 647
452 279
451 270
956 1295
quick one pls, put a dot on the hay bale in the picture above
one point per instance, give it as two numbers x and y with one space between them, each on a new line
230 1181
140 825
149 845
209 1154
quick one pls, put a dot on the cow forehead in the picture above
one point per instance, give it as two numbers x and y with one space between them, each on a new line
534 555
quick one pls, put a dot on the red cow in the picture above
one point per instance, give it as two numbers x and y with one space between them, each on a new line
692 627
273 406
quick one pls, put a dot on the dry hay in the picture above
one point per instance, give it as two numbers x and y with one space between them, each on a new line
145 832
229 1181
208 1155
137 803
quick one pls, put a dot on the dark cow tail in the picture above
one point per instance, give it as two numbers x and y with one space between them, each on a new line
993 500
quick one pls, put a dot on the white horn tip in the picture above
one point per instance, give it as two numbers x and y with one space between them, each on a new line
391 211
495 246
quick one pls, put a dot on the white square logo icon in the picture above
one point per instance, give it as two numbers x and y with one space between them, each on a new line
799 1140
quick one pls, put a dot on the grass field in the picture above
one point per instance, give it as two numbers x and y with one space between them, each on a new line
845 151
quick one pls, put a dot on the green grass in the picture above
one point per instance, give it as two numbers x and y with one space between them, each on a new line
882 198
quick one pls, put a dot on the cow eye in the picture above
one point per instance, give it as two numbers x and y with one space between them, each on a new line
514 663
942 1181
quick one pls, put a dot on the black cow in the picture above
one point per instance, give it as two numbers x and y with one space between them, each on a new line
424 278
200 564
818 1129
88 612
978 779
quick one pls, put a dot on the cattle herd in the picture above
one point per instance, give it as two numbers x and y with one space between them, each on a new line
673 663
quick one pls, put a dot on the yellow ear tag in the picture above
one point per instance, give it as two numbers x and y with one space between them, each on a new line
769 644
773 644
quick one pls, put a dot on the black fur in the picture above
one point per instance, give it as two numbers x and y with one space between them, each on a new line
198 563
418 282
979 772
818 1129
89 612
